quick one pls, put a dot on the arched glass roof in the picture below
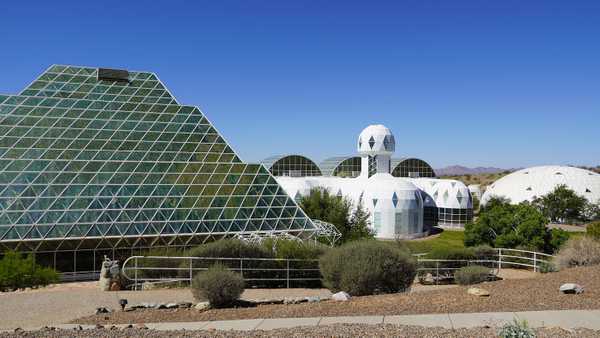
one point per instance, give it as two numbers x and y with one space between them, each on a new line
411 167
291 165
343 166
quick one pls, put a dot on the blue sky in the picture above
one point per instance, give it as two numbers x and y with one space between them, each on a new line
478 83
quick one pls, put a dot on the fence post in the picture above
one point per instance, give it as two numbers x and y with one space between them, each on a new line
135 282
288 273
499 259
534 261
437 272
191 273
242 267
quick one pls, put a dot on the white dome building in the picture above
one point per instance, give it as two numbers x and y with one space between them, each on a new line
400 207
527 184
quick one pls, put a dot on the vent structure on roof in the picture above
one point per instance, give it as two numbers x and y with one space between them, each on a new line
113 74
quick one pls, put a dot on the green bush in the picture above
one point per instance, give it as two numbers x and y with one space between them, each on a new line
293 249
17 272
452 254
593 230
220 286
367 267
230 248
485 252
579 251
472 274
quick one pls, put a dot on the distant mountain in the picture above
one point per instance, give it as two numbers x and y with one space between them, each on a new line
455 170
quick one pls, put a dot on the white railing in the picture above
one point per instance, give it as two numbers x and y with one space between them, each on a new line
153 269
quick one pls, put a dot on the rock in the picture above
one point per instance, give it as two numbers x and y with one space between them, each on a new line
161 306
172 305
478 292
313 299
149 305
141 326
18 329
185 305
571 288
294 300
102 310
99 326
341 296
202 306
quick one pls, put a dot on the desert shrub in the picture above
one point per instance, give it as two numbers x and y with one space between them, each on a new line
367 267
485 252
220 286
452 254
17 272
293 249
578 252
516 329
593 230
472 274
230 248
546 267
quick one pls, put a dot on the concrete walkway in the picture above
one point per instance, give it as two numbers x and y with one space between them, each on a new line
566 319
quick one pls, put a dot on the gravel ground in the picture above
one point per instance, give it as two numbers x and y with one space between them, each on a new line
62 303
506 295
341 330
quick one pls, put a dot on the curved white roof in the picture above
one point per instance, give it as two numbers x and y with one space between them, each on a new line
526 184
376 139
451 194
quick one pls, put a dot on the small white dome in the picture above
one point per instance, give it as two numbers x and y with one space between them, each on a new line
376 139
526 184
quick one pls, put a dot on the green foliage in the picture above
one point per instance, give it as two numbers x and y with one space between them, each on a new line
579 251
516 329
473 274
230 248
446 239
501 224
367 267
322 205
485 252
220 286
17 272
591 211
593 230
562 205
291 249
452 254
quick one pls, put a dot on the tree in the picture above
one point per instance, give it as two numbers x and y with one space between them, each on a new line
591 211
561 205
322 205
501 224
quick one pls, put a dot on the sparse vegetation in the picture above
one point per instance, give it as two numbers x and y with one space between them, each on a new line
472 274
516 329
483 180
220 286
578 251
593 230
368 267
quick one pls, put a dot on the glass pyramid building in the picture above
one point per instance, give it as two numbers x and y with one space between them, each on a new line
102 160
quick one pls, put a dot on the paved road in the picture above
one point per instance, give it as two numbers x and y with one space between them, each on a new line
566 319
52 306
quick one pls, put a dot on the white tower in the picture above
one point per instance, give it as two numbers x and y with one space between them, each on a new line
376 144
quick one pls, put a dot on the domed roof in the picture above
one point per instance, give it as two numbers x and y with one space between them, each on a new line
376 139
526 184
451 194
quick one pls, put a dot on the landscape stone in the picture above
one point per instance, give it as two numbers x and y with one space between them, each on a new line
478 292
341 296
313 299
202 306
185 305
102 310
571 288
172 306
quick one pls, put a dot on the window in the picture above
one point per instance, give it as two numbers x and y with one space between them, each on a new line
377 221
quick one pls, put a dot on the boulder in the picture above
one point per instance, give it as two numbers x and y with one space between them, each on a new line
202 306
478 292
571 288
341 296
172 305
